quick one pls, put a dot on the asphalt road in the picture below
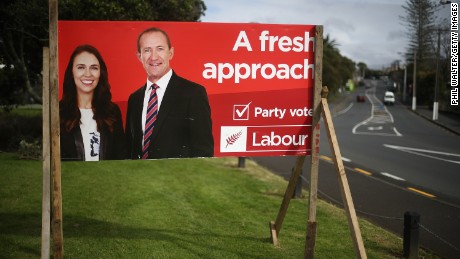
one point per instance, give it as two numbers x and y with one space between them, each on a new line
395 162
396 141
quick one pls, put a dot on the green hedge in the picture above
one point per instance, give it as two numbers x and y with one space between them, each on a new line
16 128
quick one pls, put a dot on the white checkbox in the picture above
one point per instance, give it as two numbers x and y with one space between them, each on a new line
241 111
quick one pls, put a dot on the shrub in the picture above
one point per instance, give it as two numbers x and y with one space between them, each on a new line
15 128
30 150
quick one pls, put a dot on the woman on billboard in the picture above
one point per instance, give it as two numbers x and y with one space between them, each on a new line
91 124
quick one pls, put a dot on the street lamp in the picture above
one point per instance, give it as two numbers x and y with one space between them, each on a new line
405 80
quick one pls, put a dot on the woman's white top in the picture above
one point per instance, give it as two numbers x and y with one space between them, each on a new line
91 137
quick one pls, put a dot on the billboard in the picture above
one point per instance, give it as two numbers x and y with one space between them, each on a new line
259 80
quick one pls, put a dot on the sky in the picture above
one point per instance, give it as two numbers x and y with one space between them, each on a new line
368 31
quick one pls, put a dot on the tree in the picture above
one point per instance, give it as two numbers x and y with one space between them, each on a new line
443 31
419 21
174 10
153 10
362 69
22 35
9 95
337 69
331 77
24 32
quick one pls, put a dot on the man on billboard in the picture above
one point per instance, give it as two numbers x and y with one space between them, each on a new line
170 116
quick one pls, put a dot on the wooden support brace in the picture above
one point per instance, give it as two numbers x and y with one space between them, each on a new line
343 182
273 234
275 227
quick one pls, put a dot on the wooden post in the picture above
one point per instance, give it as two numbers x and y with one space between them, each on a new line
315 138
58 250
411 234
343 182
321 109
275 226
46 195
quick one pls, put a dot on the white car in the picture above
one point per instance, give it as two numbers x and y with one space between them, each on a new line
389 98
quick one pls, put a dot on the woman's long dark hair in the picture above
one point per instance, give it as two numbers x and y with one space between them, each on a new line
103 108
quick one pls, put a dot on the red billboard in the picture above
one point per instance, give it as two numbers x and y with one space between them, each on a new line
259 78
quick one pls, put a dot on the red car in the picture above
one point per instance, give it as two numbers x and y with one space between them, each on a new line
360 98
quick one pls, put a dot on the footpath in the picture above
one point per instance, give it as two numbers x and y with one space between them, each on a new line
448 120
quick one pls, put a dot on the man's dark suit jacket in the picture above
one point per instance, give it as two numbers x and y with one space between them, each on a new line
111 148
183 127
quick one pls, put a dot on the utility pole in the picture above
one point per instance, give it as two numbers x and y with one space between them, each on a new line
414 92
436 103
405 83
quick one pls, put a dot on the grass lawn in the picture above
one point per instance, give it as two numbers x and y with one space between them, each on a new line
188 208
29 110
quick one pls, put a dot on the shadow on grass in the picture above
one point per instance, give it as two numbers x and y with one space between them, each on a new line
195 242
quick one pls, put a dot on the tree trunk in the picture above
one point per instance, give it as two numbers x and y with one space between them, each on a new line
17 58
28 85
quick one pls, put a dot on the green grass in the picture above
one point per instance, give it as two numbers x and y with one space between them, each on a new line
189 208
26 110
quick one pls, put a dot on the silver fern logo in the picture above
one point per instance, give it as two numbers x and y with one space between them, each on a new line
233 139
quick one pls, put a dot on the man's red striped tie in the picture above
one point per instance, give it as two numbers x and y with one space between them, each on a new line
151 116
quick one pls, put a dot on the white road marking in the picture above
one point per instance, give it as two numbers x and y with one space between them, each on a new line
344 110
397 132
346 159
426 153
392 176
375 128
379 115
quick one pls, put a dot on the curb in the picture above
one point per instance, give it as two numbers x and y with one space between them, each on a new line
442 125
